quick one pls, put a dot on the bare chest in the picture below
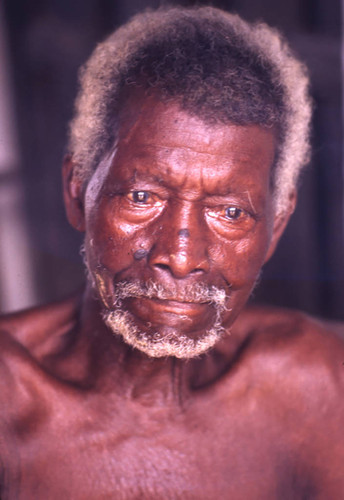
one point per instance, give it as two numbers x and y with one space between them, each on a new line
145 455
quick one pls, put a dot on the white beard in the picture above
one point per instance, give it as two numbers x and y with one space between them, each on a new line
121 322
173 343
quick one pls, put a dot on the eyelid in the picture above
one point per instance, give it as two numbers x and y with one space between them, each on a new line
224 208
224 205
232 200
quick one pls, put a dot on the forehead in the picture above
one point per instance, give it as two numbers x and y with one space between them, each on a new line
143 118
161 142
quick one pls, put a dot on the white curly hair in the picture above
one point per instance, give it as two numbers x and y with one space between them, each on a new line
216 65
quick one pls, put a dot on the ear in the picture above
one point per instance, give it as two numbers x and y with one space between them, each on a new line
73 194
280 223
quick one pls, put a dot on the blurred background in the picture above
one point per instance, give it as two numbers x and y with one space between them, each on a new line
42 44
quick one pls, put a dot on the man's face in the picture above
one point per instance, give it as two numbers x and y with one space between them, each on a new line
180 207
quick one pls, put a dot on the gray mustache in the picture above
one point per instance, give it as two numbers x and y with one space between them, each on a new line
194 293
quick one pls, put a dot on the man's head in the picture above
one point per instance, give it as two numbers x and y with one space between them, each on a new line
216 65
180 173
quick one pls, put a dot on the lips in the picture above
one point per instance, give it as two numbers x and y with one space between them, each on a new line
153 304
174 306
184 316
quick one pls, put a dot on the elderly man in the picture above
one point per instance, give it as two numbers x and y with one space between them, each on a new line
189 135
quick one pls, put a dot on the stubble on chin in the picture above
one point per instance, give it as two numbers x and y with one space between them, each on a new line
173 343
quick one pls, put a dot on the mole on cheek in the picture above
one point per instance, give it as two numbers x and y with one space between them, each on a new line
140 254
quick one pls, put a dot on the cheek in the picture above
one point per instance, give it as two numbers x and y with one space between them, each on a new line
240 261
111 241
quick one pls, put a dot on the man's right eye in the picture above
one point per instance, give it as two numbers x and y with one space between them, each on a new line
140 197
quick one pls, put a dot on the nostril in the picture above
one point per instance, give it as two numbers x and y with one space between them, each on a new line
164 267
197 271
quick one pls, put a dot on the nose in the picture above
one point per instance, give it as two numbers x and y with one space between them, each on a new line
180 243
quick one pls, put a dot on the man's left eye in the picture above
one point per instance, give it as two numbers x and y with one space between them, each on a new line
140 196
233 213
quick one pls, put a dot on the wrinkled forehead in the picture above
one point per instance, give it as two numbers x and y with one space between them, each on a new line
145 119
162 143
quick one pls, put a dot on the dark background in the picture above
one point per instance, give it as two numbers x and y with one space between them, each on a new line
49 39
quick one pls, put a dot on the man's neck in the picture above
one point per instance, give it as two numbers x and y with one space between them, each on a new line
125 370
151 381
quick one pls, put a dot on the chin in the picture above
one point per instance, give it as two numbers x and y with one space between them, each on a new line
157 345
152 318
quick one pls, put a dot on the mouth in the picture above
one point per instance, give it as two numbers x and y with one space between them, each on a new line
174 306
171 313
184 307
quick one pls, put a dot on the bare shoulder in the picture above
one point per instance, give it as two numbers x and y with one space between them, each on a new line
27 337
295 371
294 366
34 328
291 344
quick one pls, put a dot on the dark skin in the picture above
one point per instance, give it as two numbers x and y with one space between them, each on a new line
85 416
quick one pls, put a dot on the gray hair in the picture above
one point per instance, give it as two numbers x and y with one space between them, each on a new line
215 65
